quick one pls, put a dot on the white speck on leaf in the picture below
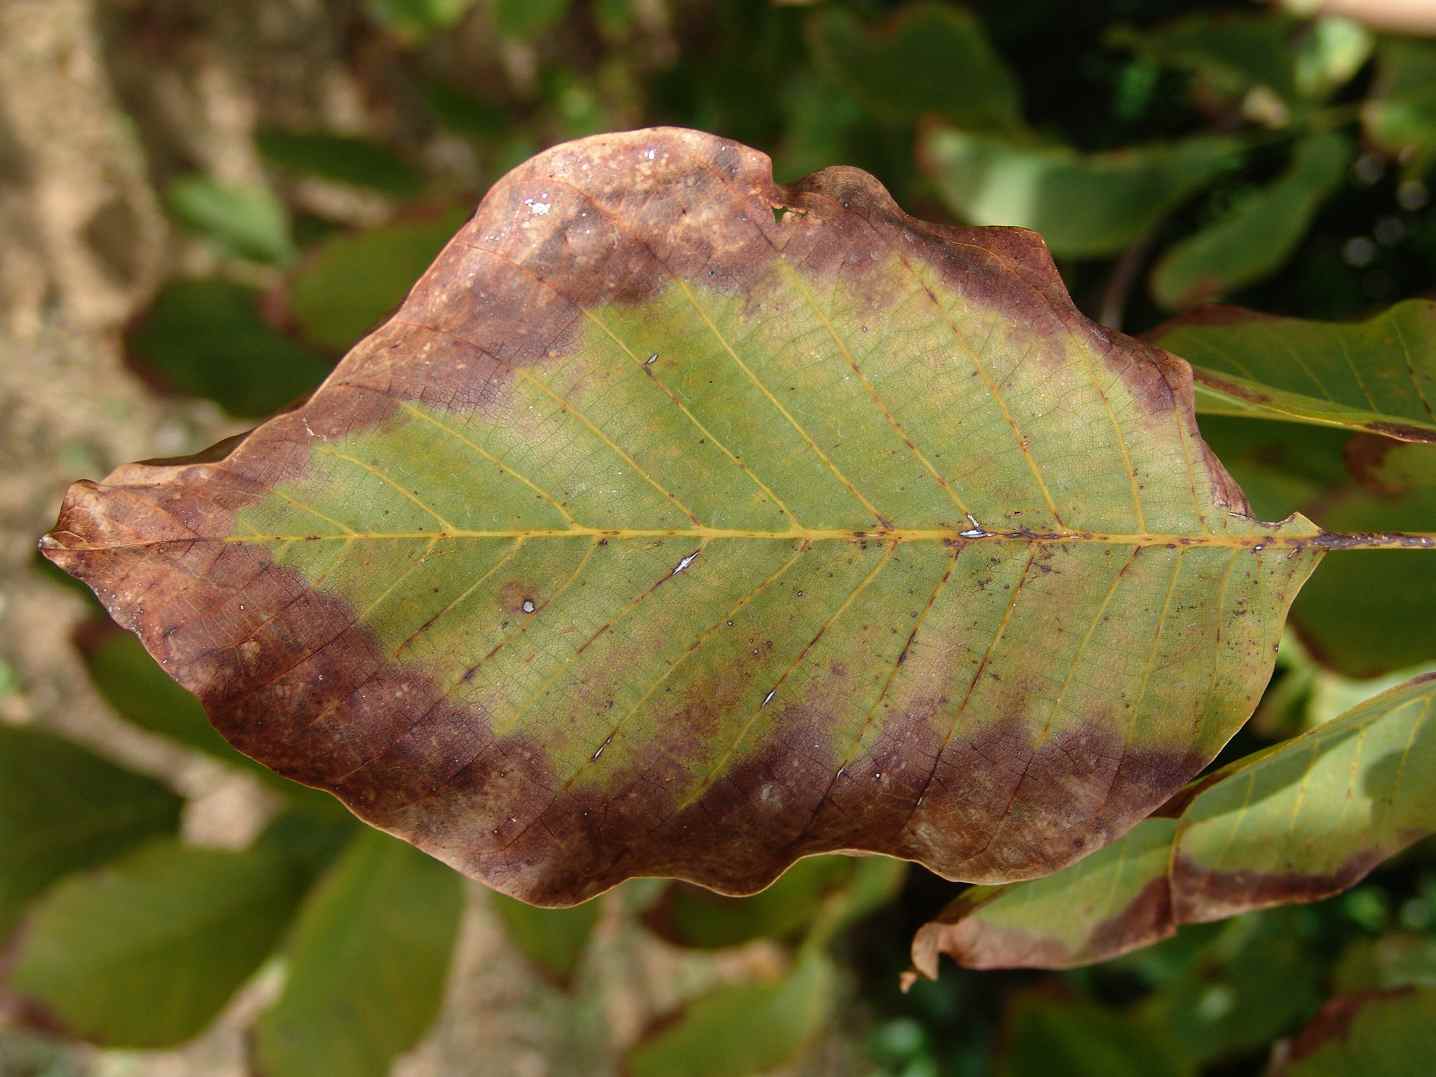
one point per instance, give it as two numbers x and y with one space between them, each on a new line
687 560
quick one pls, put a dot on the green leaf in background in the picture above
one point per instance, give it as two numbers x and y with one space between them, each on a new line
1385 1034
333 302
1051 1036
1400 115
1255 978
367 964
1235 54
62 809
1258 233
1085 205
1373 616
692 916
839 888
1360 616
248 222
145 951
742 1028
1378 375
553 940
417 19
929 60
1386 963
207 338
1300 821
527 19
347 159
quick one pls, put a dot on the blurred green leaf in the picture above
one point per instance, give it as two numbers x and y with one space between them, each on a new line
1400 115
367 964
349 284
1258 233
248 222
741 1028
1386 963
465 114
527 19
1057 1037
1372 1035
1085 205
347 159
1365 616
145 951
554 940
1234 54
929 60
1378 375
417 19
207 338
818 893
692 916
309 842
1299 821
62 809
1257 977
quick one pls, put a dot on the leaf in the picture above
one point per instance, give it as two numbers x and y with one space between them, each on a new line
554 940
207 338
145 951
1046 1036
992 600
688 915
63 809
527 19
1400 114
1379 1034
1378 375
367 964
1292 59
333 306
1361 615
928 60
1386 963
245 221
1085 205
417 19
1258 233
140 692
1300 821
740 1029
348 159
1256 978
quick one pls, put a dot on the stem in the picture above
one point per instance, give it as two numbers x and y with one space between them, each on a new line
1376 540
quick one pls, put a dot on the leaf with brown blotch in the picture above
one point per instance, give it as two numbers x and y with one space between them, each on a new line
1377 376
683 524
1374 1034
1302 820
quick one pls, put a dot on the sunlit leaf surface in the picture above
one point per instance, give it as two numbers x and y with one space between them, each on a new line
682 524
1378 376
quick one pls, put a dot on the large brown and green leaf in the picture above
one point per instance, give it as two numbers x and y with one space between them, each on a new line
684 524
1376 376
1302 820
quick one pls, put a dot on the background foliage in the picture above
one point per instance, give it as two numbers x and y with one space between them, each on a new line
1239 154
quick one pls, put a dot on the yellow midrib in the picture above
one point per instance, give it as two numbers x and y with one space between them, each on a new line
806 534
